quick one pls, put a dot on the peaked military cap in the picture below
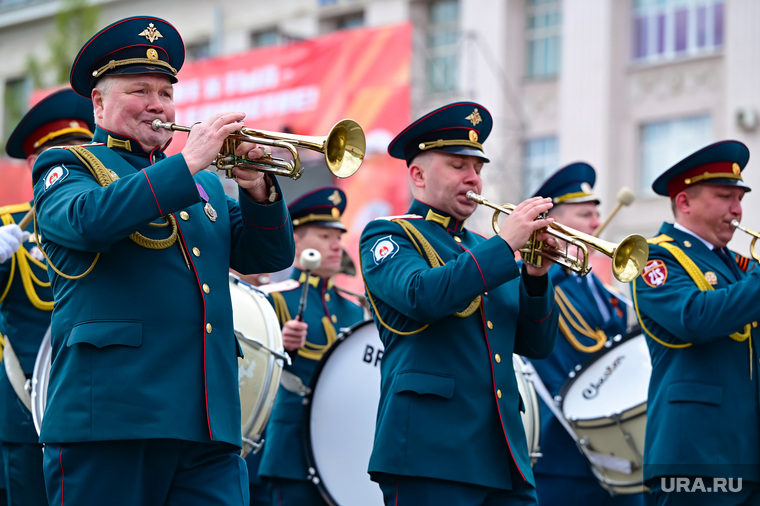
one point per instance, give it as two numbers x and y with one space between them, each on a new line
459 128
322 207
136 45
572 184
720 163
61 116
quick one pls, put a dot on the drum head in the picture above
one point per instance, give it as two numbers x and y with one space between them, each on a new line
258 332
340 416
40 379
531 415
610 384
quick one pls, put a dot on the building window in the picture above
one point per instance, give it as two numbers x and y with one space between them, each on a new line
663 143
198 50
540 160
350 21
264 38
544 38
670 29
443 37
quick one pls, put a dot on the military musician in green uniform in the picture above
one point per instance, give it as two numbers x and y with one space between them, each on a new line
143 405
452 307
306 337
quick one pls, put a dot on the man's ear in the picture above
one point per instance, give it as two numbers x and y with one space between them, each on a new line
417 175
682 203
97 104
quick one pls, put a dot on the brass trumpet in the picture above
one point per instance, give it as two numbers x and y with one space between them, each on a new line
755 237
344 147
628 257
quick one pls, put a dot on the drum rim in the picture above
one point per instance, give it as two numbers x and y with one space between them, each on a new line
634 332
306 414
263 404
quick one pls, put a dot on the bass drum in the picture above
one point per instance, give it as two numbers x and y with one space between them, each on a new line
605 402
258 332
341 411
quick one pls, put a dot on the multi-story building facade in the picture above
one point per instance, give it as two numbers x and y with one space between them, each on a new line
630 86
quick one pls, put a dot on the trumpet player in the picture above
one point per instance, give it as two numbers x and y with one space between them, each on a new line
143 403
451 308
590 313
697 305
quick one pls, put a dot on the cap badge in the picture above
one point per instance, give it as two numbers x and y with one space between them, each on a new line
152 54
735 169
335 198
585 187
335 213
151 33
473 136
474 118
73 124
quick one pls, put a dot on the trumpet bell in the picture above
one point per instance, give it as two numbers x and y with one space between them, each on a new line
629 258
344 148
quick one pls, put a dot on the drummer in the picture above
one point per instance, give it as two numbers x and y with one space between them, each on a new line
316 226
590 313
62 118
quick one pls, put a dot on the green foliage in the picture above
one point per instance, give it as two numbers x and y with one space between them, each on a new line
75 23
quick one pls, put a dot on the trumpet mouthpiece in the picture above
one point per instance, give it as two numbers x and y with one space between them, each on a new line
158 124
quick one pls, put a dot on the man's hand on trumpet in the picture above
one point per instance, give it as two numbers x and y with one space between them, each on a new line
205 143
520 224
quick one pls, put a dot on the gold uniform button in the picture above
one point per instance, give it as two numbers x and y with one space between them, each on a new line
334 319
196 252
457 239
206 288
327 297
184 215
497 357
498 394
490 324
208 328
754 325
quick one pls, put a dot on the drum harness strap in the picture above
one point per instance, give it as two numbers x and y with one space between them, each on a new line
699 279
13 369
597 459
434 259
104 177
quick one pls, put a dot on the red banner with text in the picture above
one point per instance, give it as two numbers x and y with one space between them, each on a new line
307 87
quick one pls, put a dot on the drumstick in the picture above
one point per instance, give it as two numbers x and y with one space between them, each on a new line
26 219
624 198
310 260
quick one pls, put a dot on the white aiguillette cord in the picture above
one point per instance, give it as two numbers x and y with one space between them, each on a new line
598 459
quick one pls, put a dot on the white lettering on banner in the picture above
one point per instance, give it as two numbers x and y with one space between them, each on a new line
187 92
242 82
256 107
689 485
212 87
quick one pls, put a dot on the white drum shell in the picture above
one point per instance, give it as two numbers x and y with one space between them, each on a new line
605 403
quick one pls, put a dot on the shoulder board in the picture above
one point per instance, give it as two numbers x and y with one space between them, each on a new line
281 286
15 208
660 239
400 217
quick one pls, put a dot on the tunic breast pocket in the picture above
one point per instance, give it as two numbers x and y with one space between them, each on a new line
425 384
107 333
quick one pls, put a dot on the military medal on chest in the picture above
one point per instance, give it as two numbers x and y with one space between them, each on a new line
207 208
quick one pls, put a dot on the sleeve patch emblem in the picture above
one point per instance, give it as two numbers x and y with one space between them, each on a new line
384 249
655 273
57 173
711 277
